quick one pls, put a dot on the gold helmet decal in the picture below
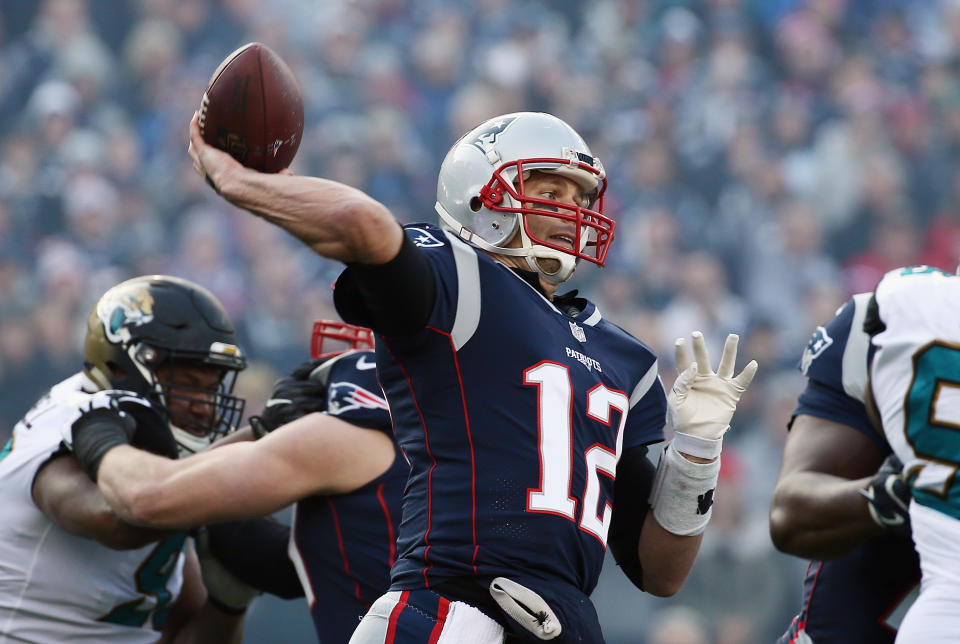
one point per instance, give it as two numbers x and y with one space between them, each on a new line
123 306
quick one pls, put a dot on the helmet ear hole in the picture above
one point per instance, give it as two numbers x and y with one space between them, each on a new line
476 204
116 370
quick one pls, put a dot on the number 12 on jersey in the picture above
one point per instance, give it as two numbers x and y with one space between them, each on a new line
555 430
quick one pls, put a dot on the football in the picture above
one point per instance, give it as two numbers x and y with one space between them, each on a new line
253 109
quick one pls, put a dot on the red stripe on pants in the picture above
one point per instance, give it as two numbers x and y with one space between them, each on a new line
395 617
442 610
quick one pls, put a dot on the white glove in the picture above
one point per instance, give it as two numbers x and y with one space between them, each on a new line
701 402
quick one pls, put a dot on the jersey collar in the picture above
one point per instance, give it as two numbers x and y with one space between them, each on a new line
567 302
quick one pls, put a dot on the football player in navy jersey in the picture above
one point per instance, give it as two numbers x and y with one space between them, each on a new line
325 442
839 500
524 414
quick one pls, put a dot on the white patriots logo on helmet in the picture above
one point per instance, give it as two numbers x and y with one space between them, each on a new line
485 139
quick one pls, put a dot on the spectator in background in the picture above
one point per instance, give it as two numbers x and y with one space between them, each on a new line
21 380
704 301
784 263
893 242
679 625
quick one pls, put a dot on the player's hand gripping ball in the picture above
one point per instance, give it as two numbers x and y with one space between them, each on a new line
253 109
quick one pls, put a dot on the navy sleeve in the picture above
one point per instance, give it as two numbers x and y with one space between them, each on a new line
635 475
822 358
646 419
395 298
825 402
822 362
354 395
435 270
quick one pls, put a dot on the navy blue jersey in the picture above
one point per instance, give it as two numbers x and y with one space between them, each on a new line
344 545
513 415
862 596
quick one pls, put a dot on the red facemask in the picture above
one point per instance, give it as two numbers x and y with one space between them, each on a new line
589 221
355 337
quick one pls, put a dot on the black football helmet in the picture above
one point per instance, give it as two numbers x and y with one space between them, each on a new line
158 323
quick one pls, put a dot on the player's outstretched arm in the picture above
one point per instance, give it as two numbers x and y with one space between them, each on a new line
315 454
335 220
818 511
700 407
65 494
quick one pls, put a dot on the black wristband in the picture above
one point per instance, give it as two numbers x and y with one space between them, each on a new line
223 608
97 432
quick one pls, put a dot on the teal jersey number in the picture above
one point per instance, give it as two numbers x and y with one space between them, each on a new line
924 270
935 366
6 449
152 578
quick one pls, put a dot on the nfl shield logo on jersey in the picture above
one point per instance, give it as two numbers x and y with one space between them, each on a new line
577 332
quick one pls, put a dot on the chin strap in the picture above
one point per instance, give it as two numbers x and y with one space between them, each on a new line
529 251
568 263
534 252
188 443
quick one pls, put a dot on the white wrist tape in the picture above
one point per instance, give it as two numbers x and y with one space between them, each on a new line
682 495
697 445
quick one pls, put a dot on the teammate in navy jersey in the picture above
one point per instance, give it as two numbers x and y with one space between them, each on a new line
519 410
864 572
326 444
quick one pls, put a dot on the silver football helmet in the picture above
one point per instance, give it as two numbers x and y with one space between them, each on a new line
480 194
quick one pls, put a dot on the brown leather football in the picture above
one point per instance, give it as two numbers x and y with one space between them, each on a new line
253 109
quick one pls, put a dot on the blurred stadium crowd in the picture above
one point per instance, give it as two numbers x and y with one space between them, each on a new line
767 158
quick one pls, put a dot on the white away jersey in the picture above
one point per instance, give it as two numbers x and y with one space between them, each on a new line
56 587
915 378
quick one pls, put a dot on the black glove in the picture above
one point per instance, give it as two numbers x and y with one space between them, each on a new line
225 590
152 432
293 396
118 418
97 432
888 497
255 550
